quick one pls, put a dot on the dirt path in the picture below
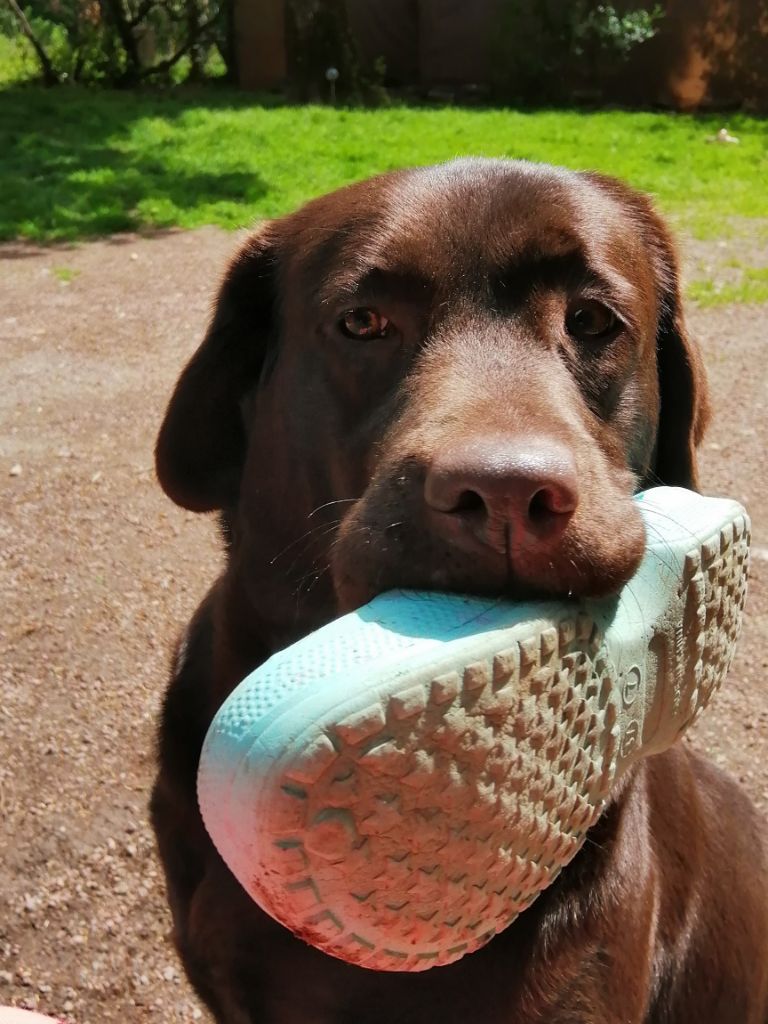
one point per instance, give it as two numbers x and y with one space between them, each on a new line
99 571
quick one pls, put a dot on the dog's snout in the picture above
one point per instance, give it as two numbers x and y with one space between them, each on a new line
504 489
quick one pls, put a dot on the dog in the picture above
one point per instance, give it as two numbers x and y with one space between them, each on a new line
453 378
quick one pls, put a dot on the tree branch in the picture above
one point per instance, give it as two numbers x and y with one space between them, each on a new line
112 11
50 77
141 12
168 63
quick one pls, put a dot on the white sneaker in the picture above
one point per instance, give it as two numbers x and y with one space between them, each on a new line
398 786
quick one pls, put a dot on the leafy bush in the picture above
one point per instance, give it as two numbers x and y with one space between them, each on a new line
127 42
547 49
17 60
616 33
119 42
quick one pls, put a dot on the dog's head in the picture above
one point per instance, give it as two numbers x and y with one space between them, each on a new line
446 378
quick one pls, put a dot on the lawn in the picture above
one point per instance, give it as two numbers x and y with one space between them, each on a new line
76 163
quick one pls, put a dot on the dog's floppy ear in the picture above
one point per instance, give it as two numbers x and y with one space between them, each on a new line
201 446
685 408
684 397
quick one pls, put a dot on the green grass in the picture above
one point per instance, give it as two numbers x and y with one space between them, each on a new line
65 274
76 163
751 286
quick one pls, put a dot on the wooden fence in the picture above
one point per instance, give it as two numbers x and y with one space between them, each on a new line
706 53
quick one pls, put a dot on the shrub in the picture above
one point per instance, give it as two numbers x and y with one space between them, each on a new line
120 42
547 50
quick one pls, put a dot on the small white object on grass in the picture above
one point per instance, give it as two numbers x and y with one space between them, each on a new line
723 136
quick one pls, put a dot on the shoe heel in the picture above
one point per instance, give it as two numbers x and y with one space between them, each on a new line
694 652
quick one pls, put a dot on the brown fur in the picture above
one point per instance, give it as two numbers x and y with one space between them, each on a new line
345 467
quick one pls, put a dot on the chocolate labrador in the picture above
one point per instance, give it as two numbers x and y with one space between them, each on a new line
453 378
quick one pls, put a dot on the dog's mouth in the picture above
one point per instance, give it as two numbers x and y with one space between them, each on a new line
593 557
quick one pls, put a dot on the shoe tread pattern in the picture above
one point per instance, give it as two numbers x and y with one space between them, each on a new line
403 838
400 836
714 590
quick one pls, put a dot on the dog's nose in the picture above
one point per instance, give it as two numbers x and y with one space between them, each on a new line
505 490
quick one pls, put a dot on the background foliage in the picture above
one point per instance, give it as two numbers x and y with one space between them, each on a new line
546 50
122 42
542 49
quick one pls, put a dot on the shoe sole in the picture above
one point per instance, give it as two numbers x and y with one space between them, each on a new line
399 786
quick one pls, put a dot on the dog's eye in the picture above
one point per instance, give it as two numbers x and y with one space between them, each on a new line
366 324
591 320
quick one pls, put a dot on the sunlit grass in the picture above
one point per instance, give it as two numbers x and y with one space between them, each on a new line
77 163
751 286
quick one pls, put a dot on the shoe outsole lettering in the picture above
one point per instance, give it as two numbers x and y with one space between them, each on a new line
399 786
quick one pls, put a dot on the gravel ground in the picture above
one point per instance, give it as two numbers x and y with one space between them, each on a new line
100 571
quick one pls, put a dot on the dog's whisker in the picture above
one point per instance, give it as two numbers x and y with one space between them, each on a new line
670 519
327 504
631 591
317 577
318 530
656 534
318 535
307 583
356 529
